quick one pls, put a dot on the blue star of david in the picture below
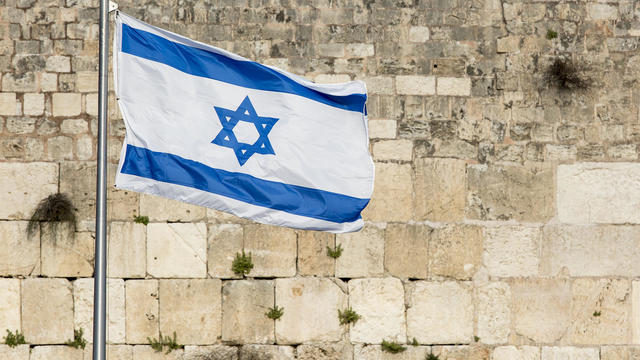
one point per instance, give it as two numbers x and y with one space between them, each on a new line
245 112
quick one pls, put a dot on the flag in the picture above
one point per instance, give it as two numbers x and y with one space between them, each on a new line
211 128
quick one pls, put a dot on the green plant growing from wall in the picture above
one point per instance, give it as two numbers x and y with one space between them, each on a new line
162 341
78 341
432 357
275 313
348 316
566 75
242 264
476 338
414 342
551 34
334 253
597 313
141 219
13 340
392 347
55 209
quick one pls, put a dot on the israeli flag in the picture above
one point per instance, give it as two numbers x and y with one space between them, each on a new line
211 128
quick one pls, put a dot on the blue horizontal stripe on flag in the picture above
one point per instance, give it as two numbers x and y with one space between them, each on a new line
249 74
293 199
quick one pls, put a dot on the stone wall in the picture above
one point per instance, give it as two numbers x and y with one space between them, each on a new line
505 218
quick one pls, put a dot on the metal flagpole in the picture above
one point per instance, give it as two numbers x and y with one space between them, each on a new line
100 272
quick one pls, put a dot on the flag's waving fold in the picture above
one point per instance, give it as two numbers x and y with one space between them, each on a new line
211 128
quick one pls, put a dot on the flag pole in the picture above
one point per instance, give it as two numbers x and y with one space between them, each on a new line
100 272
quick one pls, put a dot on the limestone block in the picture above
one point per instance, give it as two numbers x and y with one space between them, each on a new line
273 250
508 44
455 251
145 352
121 204
406 250
86 81
569 353
357 50
516 353
511 251
225 241
33 104
393 150
244 304
74 126
440 189
418 34
191 308
380 302
66 104
19 251
312 253
9 306
60 148
84 147
504 192
466 352
26 82
20 352
49 82
593 250
363 253
214 352
162 209
127 250
141 311
47 311
58 64
451 86
310 310
379 85
374 352
8 104
635 313
392 198
599 193
541 308
20 125
177 250
493 303
331 50
612 300
266 352
25 195
65 253
616 353
602 11
439 312
114 352
382 129
325 351
56 353
415 85
83 308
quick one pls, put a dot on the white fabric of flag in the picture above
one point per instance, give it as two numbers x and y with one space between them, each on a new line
211 128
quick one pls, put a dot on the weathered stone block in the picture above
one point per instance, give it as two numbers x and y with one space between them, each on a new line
244 305
516 353
610 300
393 150
508 44
25 195
455 251
8 104
449 86
312 253
466 352
20 352
141 310
440 189
415 85
86 81
635 313
569 353
47 311
380 302
363 253
19 251
60 148
56 353
493 302
511 251
65 253
523 193
310 310
225 241
379 85
74 126
191 308
602 11
214 352
392 198
58 64
83 308
33 104
270 352
9 306
177 250
273 250
418 34
439 313
595 250
382 129
145 352
541 308
325 351
127 251
599 193
619 352
406 250
66 104
162 209
375 352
